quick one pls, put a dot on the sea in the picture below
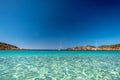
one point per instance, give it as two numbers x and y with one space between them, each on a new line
59 65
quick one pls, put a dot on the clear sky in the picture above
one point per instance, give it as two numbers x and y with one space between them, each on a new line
42 24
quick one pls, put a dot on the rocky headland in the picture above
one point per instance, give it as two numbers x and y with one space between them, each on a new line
102 47
5 46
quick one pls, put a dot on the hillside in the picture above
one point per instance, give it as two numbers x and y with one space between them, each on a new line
102 47
5 46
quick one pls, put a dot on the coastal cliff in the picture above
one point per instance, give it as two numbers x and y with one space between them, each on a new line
5 46
102 47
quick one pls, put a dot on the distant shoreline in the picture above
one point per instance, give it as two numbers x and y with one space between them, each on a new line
102 47
51 50
5 46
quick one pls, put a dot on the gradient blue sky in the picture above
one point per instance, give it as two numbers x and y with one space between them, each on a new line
42 24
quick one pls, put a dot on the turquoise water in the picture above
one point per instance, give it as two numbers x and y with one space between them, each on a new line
59 65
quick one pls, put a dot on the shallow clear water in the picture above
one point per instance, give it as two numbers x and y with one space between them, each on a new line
59 65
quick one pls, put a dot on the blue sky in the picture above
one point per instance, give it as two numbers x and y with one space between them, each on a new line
42 24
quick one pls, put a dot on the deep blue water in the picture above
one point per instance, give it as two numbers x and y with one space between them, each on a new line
59 65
